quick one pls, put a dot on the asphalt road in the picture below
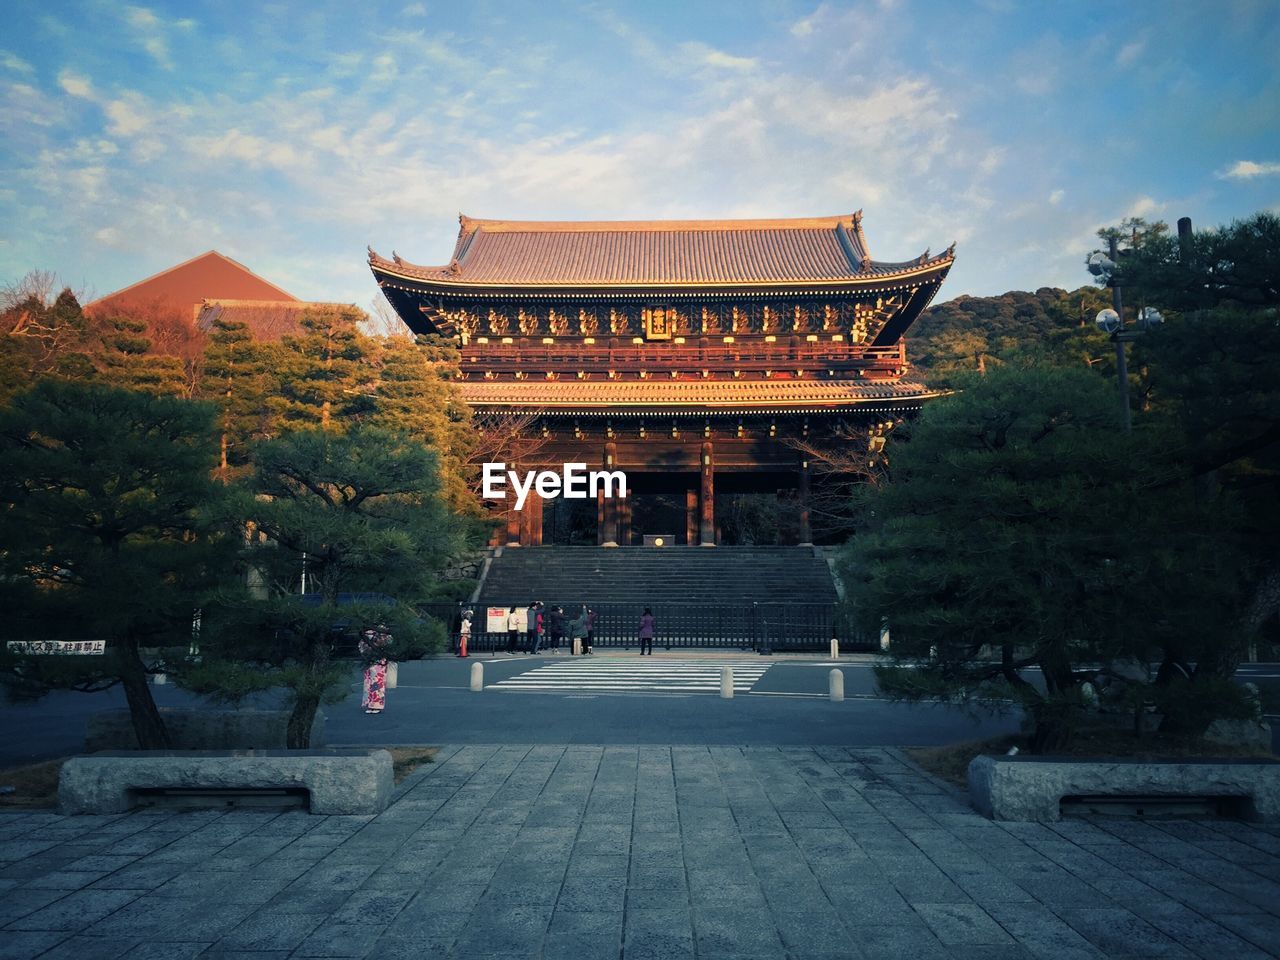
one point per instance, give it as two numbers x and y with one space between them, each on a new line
786 705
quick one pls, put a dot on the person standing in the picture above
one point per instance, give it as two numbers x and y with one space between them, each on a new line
513 628
646 632
556 627
464 633
578 633
588 645
533 619
374 699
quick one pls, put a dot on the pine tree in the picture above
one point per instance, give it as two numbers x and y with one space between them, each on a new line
360 512
41 338
123 358
103 500
1020 520
323 375
239 374
415 394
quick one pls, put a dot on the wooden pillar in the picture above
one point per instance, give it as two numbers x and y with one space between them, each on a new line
534 508
806 534
599 517
708 498
515 518
513 523
609 531
526 521
624 521
691 517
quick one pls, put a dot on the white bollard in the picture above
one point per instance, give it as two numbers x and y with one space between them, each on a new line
837 685
477 677
726 682
835 649
393 674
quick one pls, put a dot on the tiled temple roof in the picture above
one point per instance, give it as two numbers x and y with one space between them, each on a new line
688 396
656 253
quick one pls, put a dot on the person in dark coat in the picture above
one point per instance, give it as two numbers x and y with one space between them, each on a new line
532 634
590 634
646 632
555 629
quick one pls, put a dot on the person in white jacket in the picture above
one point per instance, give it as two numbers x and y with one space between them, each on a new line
513 629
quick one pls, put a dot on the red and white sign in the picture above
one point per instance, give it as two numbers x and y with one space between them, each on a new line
496 619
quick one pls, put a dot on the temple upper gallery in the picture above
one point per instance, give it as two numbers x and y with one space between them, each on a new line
697 355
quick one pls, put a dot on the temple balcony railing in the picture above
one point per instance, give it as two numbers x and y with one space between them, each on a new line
693 353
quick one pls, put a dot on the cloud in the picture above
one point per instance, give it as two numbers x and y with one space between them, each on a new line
992 160
414 10
152 32
701 53
75 85
1130 52
15 63
1144 207
804 26
384 69
23 108
126 117
1248 169
253 150
1055 198
396 129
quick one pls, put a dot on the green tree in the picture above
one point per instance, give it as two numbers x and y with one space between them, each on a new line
1022 529
975 333
323 375
123 358
1235 265
1212 372
239 373
359 511
414 393
103 495
39 336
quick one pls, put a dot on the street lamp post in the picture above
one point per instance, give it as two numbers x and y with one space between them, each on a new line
1112 322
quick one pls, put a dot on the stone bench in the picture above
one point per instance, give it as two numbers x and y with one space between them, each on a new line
1033 788
335 781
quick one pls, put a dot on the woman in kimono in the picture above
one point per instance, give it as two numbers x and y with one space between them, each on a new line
375 672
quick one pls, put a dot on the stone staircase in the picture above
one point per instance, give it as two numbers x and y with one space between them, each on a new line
730 576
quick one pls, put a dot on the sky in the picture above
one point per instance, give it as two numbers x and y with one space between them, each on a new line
290 136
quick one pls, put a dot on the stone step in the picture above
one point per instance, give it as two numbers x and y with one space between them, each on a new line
656 576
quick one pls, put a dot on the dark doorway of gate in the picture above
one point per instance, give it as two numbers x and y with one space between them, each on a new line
657 514
569 523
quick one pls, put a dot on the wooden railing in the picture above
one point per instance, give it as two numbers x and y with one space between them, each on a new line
694 355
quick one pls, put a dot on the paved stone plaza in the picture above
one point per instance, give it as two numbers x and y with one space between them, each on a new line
639 853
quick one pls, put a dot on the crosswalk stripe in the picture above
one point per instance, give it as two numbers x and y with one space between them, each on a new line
613 676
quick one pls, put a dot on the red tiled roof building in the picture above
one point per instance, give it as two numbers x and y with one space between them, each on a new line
695 355
183 289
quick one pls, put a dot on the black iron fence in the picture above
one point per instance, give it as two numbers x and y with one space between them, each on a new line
757 627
